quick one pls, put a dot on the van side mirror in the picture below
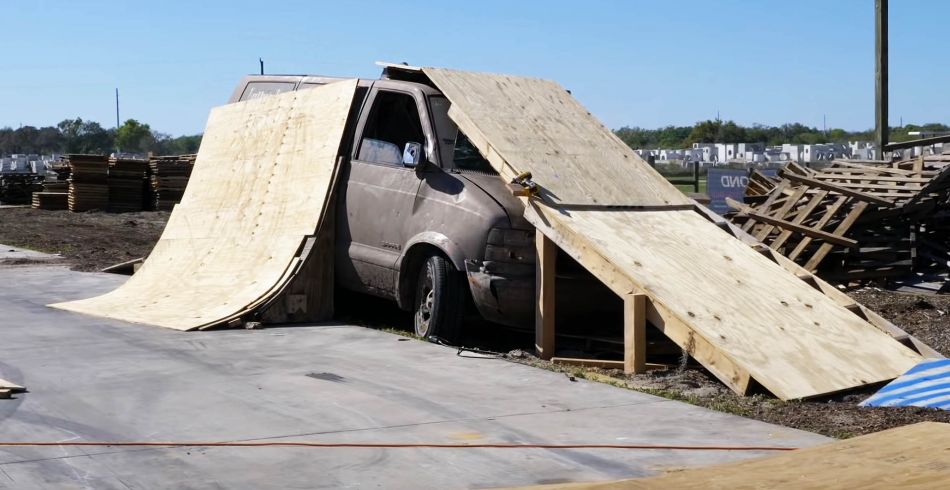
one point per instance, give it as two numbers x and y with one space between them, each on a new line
412 154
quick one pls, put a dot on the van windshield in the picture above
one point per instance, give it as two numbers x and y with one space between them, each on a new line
454 146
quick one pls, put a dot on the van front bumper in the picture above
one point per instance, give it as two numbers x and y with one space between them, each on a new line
503 293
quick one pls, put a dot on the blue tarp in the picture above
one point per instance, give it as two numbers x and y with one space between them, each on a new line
925 385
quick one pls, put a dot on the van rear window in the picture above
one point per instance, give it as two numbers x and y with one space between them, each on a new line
256 90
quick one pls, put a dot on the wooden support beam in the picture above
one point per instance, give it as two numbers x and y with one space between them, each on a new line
716 361
634 333
603 363
544 310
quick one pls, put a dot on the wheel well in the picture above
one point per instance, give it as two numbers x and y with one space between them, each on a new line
409 271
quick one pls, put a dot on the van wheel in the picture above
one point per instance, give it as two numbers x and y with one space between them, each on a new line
440 300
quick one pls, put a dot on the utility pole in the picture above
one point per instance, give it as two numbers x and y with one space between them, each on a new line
261 61
117 108
880 75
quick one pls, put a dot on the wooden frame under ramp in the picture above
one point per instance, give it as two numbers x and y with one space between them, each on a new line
741 315
256 199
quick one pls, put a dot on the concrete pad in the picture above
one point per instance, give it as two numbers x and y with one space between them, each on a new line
14 255
93 379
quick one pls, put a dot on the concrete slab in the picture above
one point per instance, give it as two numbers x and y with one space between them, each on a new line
93 379
17 255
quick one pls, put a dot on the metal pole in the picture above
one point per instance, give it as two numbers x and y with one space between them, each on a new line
261 60
117 108
880 76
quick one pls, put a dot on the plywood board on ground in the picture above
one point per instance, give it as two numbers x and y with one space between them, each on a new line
525 124
911 457
740 314
257 191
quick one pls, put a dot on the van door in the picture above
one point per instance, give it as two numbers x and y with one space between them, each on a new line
380 190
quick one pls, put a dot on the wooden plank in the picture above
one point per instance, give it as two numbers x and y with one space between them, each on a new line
804 213
545 272
604 363
536 125
909 457
737 312
581 249
9 385
634 333
258 189
788 225
842 228
844 191
781 212
829 213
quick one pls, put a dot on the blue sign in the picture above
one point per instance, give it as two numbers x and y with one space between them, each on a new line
723 183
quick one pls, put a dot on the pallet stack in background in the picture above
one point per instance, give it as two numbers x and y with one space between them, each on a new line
168 176
53 197
88 182
126 184
855 220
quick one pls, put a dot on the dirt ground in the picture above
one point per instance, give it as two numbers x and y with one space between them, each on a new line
91 241
88 241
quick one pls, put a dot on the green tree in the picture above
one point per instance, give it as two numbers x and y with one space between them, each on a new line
133 136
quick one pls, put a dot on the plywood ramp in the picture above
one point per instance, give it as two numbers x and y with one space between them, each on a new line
525 124
741 315
738 313
258 191
912 457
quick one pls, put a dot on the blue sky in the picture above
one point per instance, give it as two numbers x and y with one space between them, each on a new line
635 63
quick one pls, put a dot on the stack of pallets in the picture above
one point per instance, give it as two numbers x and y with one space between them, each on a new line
53 197
88 182
168 176
51 201
854 220
126 185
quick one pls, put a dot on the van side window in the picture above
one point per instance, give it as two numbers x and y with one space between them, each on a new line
393 122
256 90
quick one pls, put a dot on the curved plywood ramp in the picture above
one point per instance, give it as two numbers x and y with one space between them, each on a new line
259 190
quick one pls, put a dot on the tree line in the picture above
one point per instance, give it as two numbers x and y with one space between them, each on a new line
715 131
79 136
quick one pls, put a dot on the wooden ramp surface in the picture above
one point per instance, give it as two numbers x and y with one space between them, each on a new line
258 191
911 457
575 159
742 316
737 312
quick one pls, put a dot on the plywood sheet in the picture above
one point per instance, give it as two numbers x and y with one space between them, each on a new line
257 191
524 124
911 457
755 316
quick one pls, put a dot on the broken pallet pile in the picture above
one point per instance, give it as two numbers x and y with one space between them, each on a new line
88 182
854 220
168 176
126 185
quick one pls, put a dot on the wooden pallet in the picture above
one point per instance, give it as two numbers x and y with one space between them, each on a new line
853 220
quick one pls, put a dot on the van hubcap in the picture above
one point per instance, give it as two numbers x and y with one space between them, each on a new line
426 299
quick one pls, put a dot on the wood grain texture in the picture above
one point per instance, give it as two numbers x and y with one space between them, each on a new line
791 338
257 191
910 457
525 124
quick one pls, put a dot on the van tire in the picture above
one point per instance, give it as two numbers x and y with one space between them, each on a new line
439 300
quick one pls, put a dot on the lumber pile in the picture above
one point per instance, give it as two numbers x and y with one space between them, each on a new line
88 182
51 201
854 220
168 176
126 185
